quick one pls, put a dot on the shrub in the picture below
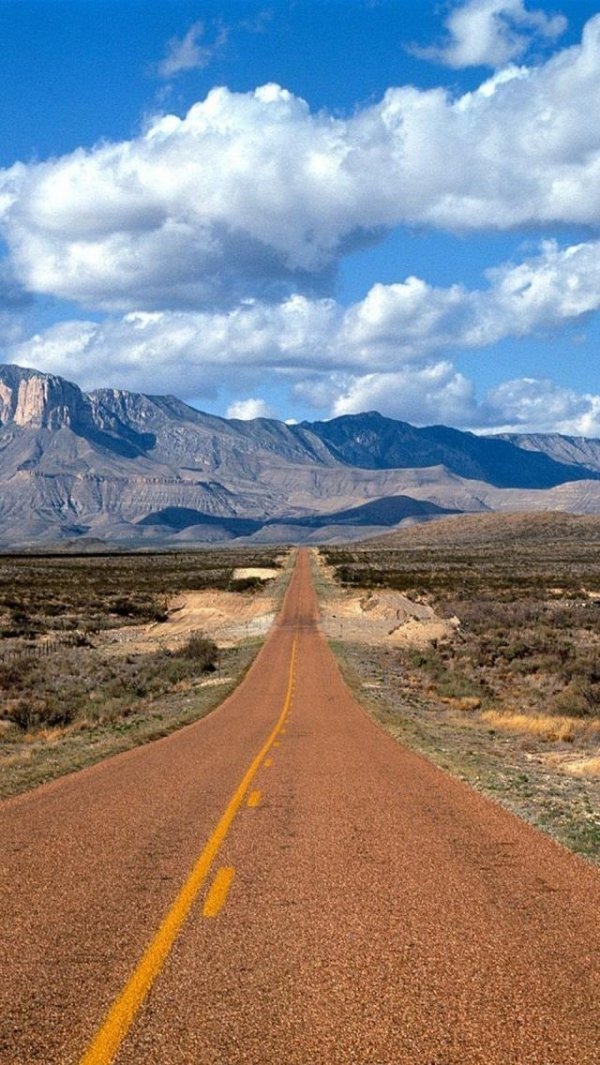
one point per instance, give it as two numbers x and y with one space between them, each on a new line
202 649
246 584
16 673
578 700
36 712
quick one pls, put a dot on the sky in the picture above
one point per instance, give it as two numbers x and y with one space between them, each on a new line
306 208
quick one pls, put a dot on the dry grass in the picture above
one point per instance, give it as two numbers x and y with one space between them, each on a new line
585 767
467 705
549 727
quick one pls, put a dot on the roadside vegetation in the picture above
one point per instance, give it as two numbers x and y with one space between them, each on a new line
510 698
41 595
75 681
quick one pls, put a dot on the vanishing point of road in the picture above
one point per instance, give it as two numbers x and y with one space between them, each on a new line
283 884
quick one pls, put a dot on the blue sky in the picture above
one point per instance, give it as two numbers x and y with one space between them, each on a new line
306 209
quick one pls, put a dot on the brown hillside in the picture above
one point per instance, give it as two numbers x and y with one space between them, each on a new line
529 528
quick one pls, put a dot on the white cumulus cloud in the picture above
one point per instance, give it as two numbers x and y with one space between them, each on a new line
428 394
437 393
389 351
541 404
247 409
211 240
250 195
395 325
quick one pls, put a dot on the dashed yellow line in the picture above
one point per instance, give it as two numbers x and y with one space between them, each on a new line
254 798
219 890
268 762
113 1031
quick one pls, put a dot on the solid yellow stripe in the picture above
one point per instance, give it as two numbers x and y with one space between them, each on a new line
111 1034
254 798
219 889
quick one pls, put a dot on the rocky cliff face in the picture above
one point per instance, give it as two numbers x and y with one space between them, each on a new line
40 401
209 443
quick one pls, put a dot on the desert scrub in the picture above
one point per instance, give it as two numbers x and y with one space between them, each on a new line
32 756
246 584
47 594
53 607
443 677
85 684
529 635
578 699
202 650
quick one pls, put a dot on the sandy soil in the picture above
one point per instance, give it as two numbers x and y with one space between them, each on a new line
227 617
379 617
262 572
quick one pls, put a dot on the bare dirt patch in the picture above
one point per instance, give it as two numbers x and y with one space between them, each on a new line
260 572
381 617
227 617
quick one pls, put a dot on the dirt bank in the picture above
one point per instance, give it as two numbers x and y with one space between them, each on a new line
227 617
382 617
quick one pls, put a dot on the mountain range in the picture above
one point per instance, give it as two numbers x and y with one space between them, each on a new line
132 469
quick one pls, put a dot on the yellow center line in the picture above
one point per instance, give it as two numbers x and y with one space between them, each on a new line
121 1015
268 762
219 890
254 798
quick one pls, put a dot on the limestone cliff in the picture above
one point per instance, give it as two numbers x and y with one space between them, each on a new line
35 400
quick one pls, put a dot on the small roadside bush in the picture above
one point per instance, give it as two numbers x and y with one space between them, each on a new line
203 650
246 584
39 712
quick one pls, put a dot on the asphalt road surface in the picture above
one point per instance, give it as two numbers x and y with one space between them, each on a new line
283 884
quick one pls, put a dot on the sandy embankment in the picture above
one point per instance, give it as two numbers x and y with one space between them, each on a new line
227 617
380 617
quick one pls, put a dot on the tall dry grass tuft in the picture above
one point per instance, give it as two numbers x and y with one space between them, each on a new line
584 767
544 726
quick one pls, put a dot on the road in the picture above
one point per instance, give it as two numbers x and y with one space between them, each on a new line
283 884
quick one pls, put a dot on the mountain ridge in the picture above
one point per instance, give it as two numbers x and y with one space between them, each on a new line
105 464
576 450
